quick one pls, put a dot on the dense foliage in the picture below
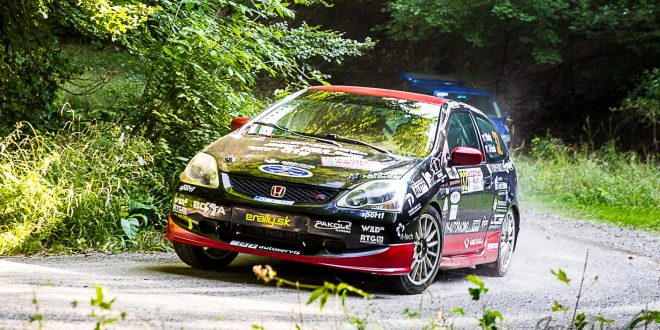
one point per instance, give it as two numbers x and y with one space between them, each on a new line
71 189
154 82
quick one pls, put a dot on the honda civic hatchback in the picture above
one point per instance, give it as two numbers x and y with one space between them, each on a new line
371 180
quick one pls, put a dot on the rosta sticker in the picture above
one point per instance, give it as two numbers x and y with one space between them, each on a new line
283 170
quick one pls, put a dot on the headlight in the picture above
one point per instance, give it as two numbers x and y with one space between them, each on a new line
201 171
376 195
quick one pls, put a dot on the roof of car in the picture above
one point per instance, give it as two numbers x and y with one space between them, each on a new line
382 93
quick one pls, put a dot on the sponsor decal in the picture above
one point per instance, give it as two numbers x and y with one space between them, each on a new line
277 191
283 170
492 246
414 209
497 220
501 167
420 187
462 226
235 136
295 164
187 188
472 179
455 197
341 226
271 161
452 173
354 176
502 186
497 143
445 208
410 199
351 163
374 239
372 229
305 148
372 215
269 220
486 137
258 138
491 149
256 246
402 235
382 175
501 203
472 242
453 211
230 159
272 200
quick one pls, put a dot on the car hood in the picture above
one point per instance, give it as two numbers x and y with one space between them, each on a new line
305 161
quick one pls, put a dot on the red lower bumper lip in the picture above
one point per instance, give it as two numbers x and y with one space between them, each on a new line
394 260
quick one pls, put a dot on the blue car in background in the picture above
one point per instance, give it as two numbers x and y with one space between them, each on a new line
449 88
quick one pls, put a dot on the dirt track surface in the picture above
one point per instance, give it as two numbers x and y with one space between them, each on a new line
157 291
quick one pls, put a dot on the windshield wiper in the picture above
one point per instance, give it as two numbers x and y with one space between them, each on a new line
336 137
315 137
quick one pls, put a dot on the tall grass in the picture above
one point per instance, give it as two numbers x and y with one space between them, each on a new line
68 190
603 184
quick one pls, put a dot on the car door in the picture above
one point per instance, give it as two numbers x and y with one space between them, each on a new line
469 206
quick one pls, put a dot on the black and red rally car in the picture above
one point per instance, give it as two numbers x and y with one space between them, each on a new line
372 180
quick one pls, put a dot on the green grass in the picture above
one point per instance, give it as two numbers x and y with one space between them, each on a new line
68 191
605 185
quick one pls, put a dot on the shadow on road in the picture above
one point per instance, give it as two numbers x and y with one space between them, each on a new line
240 271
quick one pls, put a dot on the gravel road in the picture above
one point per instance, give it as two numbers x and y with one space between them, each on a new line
159 292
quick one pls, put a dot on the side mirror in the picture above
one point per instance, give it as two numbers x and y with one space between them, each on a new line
238 122
466 156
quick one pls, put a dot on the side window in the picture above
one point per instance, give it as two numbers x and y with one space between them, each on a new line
461 132
495 148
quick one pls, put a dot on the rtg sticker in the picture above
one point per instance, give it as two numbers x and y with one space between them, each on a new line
372 239
268 220
341 226
462 226
414 209
256 246
351 163
283 170
472 179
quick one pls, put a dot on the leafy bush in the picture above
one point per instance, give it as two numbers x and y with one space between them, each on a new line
608 184
71 189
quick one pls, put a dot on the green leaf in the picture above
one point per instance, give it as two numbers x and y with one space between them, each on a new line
458 310
315 295
561 275
130 227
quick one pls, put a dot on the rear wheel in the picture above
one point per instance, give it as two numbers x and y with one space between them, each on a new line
505 252
426 258
202 257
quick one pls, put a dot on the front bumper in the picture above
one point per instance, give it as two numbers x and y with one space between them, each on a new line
389 259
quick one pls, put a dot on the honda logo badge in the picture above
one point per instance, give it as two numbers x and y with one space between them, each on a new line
277 191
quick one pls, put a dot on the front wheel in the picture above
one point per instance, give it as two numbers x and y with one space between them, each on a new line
202 257
426 258
505 252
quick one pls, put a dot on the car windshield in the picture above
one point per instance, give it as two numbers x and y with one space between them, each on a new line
485 103
402 127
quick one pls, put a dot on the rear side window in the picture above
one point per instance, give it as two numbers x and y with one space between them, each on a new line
461 132
493 144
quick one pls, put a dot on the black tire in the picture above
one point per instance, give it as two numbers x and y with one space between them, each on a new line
507 243
425 247
203 258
